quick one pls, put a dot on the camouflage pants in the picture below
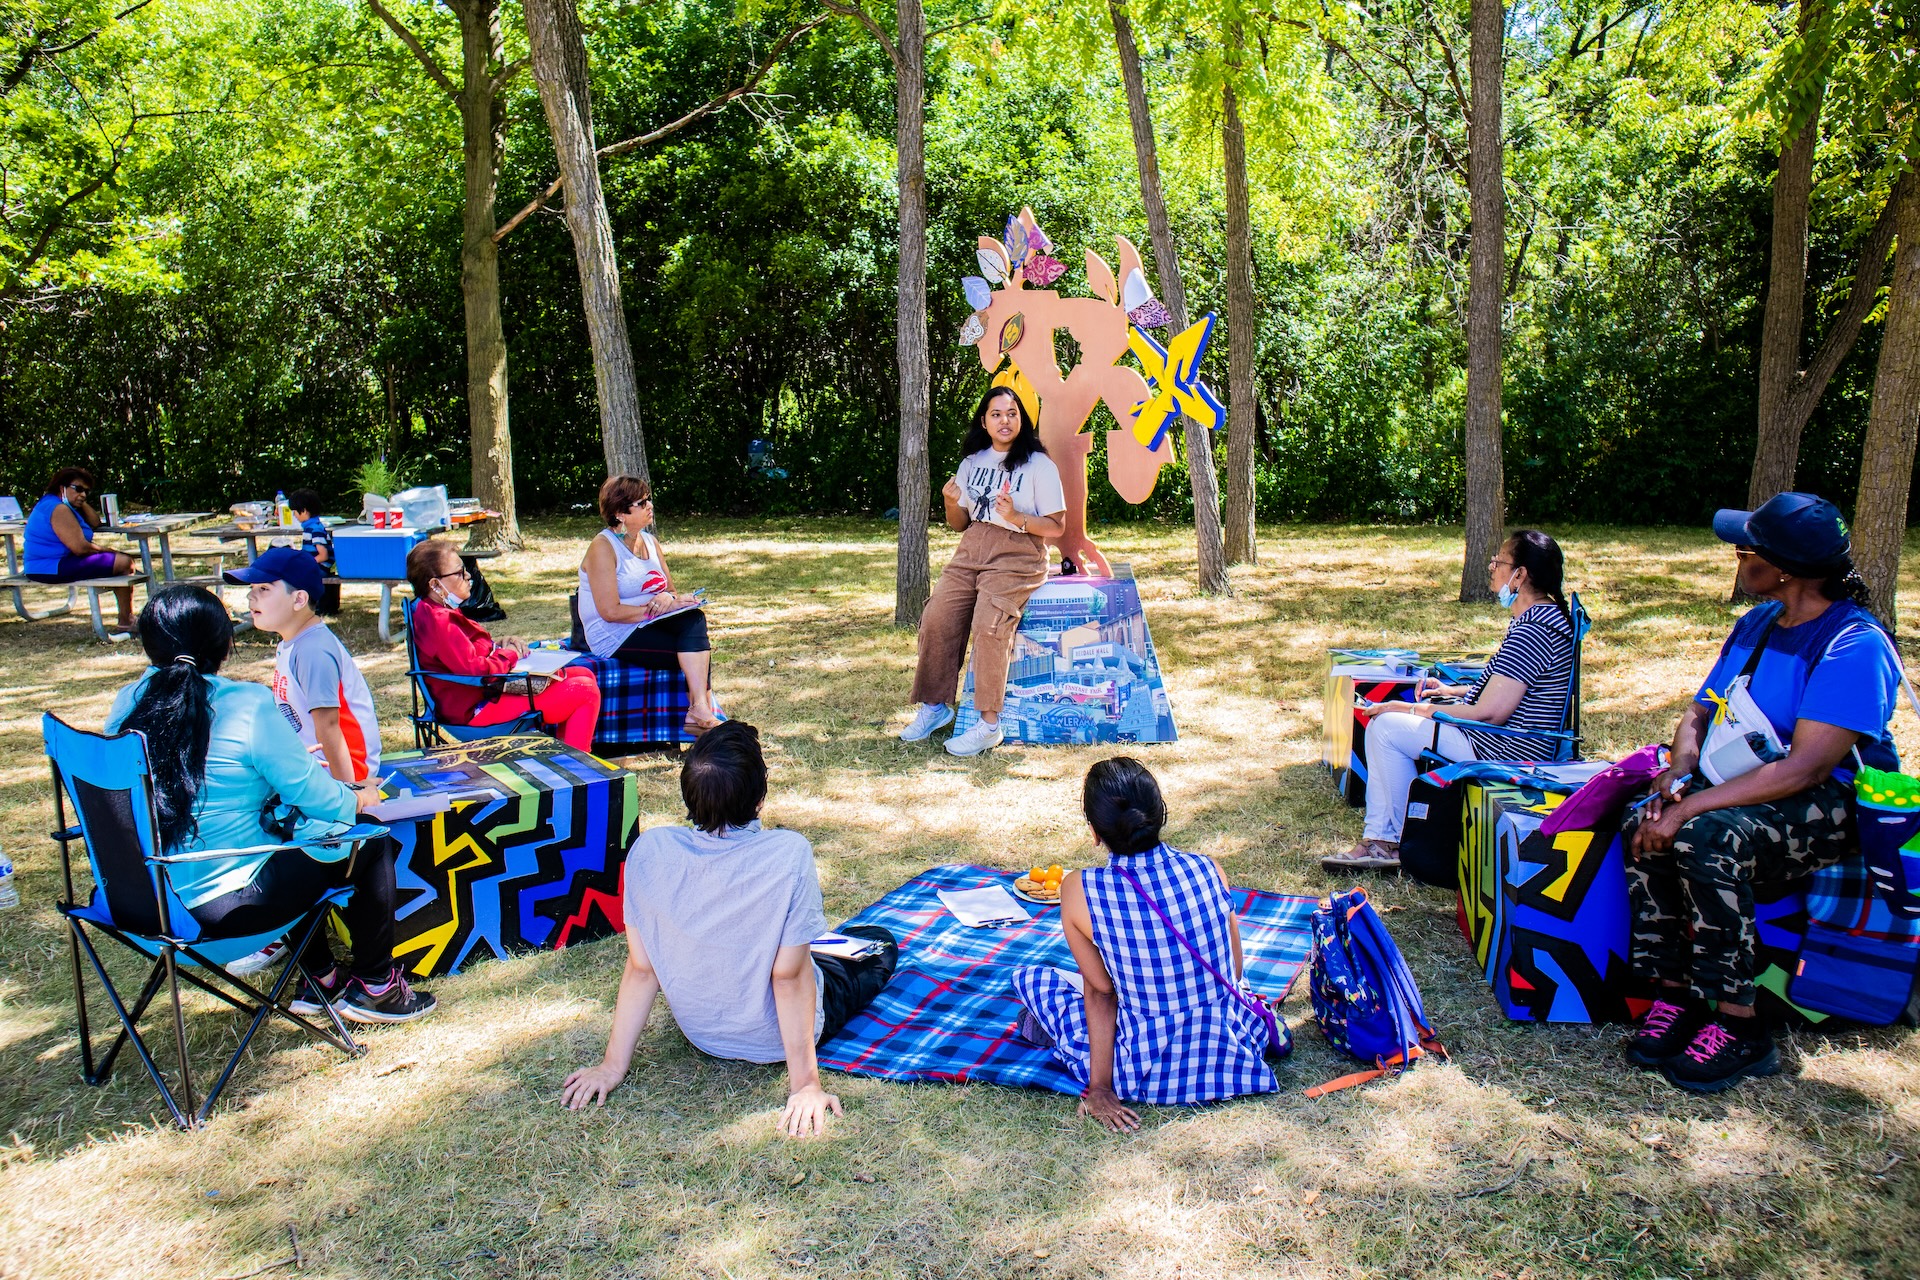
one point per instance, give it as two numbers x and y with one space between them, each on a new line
1693 902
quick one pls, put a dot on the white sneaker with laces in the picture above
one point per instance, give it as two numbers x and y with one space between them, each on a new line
929 716
258 960
981 737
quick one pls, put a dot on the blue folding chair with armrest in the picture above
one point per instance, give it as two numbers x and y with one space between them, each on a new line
1567 737
429 730
108 782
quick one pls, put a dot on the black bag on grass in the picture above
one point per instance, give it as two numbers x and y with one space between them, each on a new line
1430 839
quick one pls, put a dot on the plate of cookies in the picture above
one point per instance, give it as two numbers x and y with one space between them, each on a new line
1041 885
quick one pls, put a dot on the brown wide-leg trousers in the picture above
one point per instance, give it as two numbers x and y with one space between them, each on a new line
980 594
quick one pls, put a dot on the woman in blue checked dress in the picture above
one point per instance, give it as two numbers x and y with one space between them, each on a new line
1143 1020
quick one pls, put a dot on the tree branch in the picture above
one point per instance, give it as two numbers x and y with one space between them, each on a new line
741 90
508 72
1413 115
1812 383
38 51
399 28
853 9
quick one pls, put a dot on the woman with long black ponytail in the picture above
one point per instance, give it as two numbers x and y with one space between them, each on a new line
224 760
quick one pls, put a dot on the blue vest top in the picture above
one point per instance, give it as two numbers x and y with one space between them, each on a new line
43 546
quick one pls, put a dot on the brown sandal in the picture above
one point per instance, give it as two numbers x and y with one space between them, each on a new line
698 727
1368 855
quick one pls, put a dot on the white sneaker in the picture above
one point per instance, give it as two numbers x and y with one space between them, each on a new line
981 737
930 716
258 960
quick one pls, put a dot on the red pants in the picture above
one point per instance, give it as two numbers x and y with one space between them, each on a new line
570 701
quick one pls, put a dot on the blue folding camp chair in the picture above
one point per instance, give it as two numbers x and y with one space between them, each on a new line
1567 737
109 783
429 730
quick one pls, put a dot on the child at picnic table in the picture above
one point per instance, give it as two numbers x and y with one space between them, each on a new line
1143 1020
719 917
316 540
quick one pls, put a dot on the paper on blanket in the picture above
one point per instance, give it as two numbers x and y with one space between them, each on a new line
977 908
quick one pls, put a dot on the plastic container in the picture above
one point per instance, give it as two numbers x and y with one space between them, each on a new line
374 553
9 891
282 513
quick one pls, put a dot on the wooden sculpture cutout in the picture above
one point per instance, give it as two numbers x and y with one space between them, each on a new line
1015 317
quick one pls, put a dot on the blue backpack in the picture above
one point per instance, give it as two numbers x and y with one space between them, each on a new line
1364 996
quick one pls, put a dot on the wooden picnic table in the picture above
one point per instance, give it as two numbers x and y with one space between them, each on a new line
144 529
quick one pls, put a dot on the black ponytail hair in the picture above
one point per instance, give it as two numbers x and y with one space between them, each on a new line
1546 566
187 635
1024 445
1123 805
1843 582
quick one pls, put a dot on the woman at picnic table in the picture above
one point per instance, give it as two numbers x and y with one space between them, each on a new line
1144 1020
449 641
628 607
1005 501
225 763
59 541
1818 665
1524 688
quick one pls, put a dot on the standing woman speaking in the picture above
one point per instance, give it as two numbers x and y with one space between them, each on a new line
1005 502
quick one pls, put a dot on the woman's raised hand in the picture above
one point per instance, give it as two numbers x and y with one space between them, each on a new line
951 492
1003 505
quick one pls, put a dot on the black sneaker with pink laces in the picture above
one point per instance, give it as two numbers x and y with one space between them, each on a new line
1719 1057
1665 1031
390 1001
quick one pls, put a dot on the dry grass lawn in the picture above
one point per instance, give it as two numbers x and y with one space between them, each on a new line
443 1151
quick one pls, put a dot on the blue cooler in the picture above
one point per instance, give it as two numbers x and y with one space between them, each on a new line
374 553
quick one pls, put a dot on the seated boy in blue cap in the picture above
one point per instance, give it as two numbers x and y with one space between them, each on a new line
320 690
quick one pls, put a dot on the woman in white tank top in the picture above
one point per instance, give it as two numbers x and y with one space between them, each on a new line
628 607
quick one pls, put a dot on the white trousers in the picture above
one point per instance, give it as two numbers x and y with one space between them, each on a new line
1394 741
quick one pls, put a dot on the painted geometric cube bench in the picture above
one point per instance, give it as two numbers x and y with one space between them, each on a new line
531 855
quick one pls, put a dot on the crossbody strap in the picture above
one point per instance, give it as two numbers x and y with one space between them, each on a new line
1232 987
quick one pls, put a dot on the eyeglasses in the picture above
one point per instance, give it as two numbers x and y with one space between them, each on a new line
79 490
1497 562
461 572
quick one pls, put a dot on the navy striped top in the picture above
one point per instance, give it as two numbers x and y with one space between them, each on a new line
1538 652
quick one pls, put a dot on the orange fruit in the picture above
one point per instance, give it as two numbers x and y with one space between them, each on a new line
1055 871
1037 874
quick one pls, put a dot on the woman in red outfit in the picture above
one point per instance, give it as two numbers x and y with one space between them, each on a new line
449 641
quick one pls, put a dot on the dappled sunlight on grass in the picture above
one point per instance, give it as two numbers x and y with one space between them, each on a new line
444 1151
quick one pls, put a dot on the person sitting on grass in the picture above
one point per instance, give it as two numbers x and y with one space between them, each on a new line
222 756
450 641
1823 672
1525 686
1143 1020
59 545
719 917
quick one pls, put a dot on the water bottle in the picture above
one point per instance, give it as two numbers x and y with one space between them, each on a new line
9 893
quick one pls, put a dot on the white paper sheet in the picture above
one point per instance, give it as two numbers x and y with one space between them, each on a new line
977 908
544 662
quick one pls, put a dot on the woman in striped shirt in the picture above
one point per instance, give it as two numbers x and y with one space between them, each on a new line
1525 687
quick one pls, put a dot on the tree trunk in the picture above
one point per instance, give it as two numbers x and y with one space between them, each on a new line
912 570
1893 421
1776 453
1486 184
483 125
559 49
1241 545
1200 472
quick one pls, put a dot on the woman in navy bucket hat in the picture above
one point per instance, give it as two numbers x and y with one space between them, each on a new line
1818 665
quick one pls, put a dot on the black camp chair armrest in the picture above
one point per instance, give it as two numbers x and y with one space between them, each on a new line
66 837
1566 735
499 677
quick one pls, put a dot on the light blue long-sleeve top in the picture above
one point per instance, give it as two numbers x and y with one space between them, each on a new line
252 753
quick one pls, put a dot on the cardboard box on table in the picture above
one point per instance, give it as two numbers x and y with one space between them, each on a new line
1546 915
1378 675
531 855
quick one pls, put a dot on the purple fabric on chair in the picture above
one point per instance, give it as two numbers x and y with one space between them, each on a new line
1605 794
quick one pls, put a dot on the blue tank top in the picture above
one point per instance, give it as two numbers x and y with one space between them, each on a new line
44 549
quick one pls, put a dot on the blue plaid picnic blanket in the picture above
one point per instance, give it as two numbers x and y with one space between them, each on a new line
949 1013
638 705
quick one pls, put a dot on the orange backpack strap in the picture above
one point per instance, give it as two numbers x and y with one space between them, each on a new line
1346 1082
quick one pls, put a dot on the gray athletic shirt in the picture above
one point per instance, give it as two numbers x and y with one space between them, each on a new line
711 909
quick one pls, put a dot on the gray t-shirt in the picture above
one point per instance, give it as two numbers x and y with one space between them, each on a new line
711 909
